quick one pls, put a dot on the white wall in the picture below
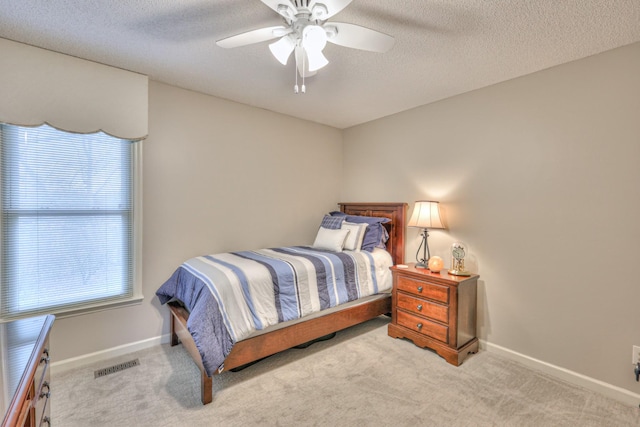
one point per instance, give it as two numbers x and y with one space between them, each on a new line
540 176
218 176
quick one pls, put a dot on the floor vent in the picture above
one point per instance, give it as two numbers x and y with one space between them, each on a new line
115 368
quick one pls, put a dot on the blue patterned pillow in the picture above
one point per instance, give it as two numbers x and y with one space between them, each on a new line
332 222
375 236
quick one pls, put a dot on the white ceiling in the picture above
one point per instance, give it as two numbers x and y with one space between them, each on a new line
443 47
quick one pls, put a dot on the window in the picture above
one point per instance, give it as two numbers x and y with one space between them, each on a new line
67 237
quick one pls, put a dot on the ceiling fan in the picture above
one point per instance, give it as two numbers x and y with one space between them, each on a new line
307 32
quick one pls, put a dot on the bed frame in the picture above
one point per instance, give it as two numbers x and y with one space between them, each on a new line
261 346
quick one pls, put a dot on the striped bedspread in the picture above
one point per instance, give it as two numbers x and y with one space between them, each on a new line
231 295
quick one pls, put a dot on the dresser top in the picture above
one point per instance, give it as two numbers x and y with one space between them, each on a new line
426 274
19 345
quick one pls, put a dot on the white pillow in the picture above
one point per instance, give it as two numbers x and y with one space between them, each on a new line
354 239
332 240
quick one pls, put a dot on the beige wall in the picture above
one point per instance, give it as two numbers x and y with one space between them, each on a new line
217 176
540 176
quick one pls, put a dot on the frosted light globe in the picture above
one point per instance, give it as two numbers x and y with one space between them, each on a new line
435 264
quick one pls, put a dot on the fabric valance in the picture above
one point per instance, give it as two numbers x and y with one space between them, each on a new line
40 86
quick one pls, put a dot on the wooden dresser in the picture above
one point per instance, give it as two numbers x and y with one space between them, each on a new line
24 371
435 310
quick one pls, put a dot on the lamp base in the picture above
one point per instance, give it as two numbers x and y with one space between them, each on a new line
422 265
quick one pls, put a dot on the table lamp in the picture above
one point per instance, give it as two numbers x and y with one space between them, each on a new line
426 215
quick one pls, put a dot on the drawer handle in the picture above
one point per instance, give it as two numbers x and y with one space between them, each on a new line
419 307
419 326
47 393
419 288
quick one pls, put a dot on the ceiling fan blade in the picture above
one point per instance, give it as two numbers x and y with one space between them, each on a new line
333 6
302 63
251 37
357 37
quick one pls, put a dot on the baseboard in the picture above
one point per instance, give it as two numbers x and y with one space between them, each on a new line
86 359
609 390
614 392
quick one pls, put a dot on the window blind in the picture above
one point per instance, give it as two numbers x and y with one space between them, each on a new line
67 220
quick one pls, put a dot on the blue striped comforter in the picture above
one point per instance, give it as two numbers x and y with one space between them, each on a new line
232 295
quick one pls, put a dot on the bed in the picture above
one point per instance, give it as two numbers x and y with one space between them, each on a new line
285 333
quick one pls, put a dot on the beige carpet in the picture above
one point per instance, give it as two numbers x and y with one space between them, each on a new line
360 378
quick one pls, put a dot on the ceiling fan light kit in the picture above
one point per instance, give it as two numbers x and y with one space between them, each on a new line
314 39
282 49
307 34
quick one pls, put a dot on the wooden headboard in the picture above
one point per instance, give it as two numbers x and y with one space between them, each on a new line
396 212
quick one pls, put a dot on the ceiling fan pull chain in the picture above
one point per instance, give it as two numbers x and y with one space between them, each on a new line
304 88
295 70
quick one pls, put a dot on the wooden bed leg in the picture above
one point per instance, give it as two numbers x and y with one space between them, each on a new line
174 336
206 388
181 334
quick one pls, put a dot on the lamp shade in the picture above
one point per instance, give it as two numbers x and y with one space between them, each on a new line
282 49
426 214
316 59
314 39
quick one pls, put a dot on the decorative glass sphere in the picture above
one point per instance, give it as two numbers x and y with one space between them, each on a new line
435 264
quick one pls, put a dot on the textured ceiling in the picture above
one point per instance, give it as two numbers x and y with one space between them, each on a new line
443 47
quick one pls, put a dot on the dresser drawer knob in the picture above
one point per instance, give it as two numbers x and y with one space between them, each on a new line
420 288
419 326
419 307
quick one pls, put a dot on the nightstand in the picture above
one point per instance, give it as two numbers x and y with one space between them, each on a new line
435 310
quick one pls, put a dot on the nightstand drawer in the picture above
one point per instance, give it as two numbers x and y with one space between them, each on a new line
423 326
423 289
422 307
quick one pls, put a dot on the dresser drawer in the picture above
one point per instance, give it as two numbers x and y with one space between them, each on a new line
42 371
31 366
41 400
43 410
423 326
422 307
423 289
42 392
